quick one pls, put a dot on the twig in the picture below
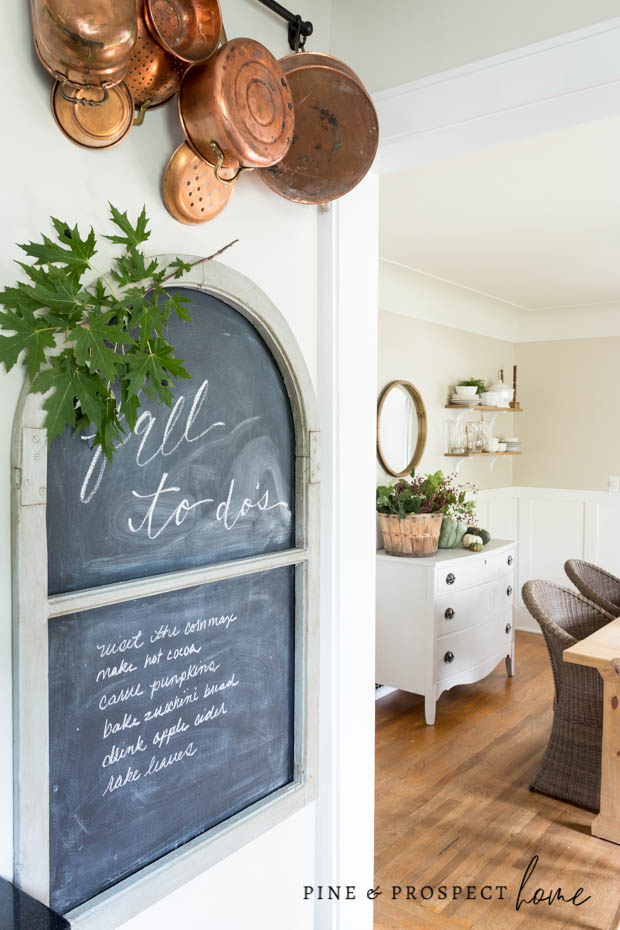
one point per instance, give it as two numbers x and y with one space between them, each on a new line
201 260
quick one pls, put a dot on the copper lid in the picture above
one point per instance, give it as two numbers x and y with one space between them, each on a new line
336 131
94 127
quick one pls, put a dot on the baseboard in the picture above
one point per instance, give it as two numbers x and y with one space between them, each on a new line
382 691
523 620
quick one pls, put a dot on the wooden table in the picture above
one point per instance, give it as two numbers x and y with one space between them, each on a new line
601 650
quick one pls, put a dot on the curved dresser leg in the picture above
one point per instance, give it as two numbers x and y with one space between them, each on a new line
429 710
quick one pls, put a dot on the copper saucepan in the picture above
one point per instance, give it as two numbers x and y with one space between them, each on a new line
154 75
237 110
189 29
85 43
336 131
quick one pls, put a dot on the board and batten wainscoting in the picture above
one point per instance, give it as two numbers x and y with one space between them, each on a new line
552 525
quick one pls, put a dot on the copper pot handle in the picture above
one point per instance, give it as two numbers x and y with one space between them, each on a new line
142 113
220 162
81 100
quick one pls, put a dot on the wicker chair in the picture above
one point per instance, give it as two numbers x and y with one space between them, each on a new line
571 766
599 586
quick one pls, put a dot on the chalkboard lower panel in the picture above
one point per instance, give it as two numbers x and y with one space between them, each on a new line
168 715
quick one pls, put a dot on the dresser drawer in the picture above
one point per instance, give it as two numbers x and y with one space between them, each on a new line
470 606
472 646
480 567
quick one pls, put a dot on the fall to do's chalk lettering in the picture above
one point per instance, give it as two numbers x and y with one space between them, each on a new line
166 504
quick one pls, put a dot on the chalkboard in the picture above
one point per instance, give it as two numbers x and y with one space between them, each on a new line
168 715
208 480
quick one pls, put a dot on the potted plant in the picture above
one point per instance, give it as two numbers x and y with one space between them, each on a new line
471 387
411 512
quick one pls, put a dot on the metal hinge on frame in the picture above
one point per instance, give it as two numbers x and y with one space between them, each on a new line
32 476
315 456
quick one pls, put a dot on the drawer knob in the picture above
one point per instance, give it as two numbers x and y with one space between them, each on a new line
449 614
509 590
508 627
450 579
449 657
510 560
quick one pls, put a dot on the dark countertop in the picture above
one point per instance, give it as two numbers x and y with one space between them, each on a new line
18 911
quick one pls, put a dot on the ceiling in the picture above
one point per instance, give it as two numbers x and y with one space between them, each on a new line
534 222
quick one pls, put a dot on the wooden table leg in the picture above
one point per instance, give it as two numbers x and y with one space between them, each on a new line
607 824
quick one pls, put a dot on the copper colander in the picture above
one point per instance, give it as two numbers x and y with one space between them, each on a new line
154 74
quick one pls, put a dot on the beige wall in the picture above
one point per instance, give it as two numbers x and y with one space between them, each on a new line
402 40
569 392
433 357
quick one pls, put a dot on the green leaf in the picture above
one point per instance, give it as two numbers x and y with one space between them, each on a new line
178 303
150 371
30 334
133 235
132 267
179 267
93 340
74 391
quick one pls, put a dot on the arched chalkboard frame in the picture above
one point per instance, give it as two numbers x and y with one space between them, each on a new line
33 609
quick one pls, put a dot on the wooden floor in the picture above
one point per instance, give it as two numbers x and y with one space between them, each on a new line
453 808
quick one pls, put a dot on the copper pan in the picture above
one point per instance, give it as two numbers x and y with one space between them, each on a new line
85 43
336 131
189 29
236 109
191 192
154 75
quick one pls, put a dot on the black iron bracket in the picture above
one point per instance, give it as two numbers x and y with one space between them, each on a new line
298 29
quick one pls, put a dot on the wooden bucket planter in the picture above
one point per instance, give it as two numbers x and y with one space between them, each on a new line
413 535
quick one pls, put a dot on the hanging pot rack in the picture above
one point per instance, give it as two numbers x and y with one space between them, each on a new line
298 29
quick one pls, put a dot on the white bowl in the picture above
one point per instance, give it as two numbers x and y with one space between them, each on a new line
492 445
466 390
490 399
501 447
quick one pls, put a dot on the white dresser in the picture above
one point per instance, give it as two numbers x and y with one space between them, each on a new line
444 620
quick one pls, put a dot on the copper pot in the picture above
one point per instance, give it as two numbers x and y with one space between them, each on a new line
336 131
85 43
189 29
236 109
154 75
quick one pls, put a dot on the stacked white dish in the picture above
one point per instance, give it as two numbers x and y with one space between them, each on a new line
513 444
463 400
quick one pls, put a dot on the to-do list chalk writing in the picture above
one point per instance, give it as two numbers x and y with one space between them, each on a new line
168 715
136 743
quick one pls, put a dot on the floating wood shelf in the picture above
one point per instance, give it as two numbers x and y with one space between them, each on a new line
475 455
482 407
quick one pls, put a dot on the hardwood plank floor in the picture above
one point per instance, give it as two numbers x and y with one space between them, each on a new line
453 808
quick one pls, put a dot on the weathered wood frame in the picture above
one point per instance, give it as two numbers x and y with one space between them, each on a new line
33 609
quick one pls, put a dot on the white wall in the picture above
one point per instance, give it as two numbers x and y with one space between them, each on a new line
552 525
434 358
427 36
570 427
45 174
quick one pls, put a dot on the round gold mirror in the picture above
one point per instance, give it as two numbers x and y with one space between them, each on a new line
401 428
